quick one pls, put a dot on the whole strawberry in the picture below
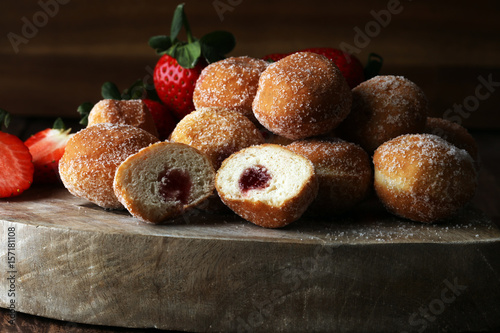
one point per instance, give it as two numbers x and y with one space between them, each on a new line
181 63
47 147
348 64
15 162
175 84
163 118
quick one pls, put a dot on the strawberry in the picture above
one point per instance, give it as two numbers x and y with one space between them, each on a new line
15 163
175 84
181 63
348 64
46 148
163 118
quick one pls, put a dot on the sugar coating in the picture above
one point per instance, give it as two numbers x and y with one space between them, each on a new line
344 173
301 95
217 132
383 108
423 177
128 112
230 83
92 156
453 133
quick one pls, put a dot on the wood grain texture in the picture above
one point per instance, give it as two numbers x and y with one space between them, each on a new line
443 46
366 272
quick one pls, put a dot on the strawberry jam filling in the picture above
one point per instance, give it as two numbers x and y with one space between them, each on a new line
175 185
254 178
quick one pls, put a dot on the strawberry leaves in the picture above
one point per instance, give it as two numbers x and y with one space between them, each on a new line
212 46
373 66
4 118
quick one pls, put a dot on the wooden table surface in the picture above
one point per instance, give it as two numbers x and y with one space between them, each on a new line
487 199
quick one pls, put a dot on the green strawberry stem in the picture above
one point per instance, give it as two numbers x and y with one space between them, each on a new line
4 118
59 124
212 47
373 66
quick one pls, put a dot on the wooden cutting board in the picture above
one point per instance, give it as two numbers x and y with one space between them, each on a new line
366 272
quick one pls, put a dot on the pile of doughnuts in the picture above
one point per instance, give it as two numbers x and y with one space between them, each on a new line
274 142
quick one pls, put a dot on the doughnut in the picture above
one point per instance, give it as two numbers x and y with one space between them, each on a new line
130 112
302 95
230 83
453 133
163 180
91 157
217 132
383 108
268 185
423 177
344 172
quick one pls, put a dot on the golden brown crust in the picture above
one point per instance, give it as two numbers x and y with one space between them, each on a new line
423 178
129 112
92 156
302 95
453 133
217 132
230 83
268 216
383 108
344 173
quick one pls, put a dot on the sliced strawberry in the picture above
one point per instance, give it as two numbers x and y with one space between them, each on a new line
163 118
175 84
47 148
16 165
349 65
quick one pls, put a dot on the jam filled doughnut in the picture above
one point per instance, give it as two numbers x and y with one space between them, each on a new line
344 173
383 108
92 156
267 185
230 83
217 132
453 133
130 112
302 95
163 181
423 178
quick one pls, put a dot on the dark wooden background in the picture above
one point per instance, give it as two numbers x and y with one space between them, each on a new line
444 46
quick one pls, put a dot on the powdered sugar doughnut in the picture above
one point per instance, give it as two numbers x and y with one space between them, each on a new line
383 108
92 156
217 132
453 133
230 83
344 173
129 112
301 95
423 177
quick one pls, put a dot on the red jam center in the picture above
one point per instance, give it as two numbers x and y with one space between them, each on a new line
175 185
254 178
